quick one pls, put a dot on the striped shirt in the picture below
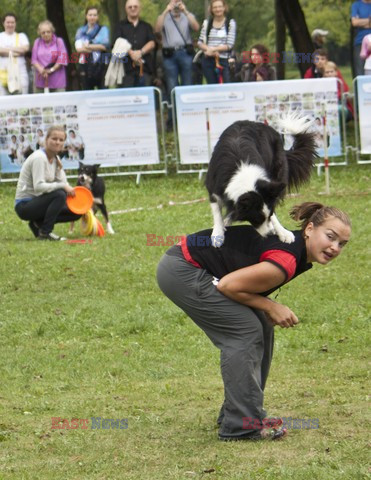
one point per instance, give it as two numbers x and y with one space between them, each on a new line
219 36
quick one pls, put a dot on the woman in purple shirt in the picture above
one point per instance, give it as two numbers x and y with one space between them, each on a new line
49 58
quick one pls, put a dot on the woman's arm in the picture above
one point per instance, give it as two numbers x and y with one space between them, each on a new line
246 285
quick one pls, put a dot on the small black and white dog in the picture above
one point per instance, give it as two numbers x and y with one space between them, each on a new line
88 177
249 173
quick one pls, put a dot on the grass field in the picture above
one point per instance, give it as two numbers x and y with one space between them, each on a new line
85 332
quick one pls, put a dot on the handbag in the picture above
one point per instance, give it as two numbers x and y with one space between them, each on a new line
14 77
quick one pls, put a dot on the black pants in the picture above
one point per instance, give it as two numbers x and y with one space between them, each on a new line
47 210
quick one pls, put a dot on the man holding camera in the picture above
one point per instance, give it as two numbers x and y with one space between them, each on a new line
176 24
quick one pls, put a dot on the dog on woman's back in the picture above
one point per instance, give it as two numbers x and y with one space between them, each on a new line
88 177
249 173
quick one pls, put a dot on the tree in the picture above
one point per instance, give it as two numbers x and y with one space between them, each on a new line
295 21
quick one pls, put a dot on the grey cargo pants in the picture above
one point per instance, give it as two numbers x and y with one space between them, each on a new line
243 335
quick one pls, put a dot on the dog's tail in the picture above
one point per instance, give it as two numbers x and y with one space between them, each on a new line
301 156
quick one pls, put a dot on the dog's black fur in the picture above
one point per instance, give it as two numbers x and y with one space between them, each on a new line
253 143
88 177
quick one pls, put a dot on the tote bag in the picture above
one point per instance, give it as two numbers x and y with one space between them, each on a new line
14 77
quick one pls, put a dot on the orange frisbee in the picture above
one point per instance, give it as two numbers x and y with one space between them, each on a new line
81 202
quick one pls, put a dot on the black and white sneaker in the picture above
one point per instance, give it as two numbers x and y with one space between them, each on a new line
50 236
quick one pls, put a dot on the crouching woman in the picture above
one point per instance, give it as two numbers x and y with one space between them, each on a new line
42 188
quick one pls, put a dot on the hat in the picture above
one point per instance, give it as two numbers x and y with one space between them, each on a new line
318 32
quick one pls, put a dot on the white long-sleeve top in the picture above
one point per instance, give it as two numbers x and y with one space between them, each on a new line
39 176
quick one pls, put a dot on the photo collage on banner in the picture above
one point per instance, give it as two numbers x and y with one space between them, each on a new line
262 102
109 127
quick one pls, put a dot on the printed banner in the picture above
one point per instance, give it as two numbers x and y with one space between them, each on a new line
364 112
108 127
258 101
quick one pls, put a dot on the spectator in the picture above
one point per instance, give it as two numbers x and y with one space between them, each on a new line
258 69
49 58
42 188
331 70
92 41
319 38
217 38
366 53
24 149
320 58
139 68
18 44
361 21
176 24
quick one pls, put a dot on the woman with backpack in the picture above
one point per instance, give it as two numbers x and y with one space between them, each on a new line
217 38
92 41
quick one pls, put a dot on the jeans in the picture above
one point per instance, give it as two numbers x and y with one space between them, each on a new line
209 69
178 65
46 210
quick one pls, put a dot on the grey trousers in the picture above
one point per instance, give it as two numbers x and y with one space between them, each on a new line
243 335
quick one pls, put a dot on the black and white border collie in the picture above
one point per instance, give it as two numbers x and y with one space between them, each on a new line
87 176
250 172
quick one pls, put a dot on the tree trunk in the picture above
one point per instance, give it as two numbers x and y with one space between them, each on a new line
111 8
301 40
280 40
55 13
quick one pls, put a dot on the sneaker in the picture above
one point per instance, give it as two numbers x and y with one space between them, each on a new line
34 228
50 236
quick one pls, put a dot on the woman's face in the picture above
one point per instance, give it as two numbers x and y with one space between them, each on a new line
325 242
46 33
92 16
72 134
9 24
256 58
217 9
54 143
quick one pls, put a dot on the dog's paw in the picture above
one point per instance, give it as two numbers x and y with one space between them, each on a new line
286 236
217 238
110 229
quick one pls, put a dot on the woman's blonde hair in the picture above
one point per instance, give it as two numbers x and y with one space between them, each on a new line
45 22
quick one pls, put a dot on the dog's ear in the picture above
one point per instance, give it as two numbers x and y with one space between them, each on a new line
81 164
270 190
96 166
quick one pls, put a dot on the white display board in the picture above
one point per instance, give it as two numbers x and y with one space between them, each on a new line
116 127
258 101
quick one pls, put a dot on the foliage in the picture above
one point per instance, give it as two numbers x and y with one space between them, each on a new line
85 331
255 20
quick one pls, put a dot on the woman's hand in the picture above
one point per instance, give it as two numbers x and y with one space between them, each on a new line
70 190
210 52
281 315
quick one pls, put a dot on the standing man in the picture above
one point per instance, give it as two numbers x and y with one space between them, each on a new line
176 24
139 67
361 21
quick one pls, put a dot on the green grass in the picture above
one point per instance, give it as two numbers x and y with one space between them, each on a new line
85 331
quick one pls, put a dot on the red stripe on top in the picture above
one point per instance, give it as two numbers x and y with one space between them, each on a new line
187 255
285 259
